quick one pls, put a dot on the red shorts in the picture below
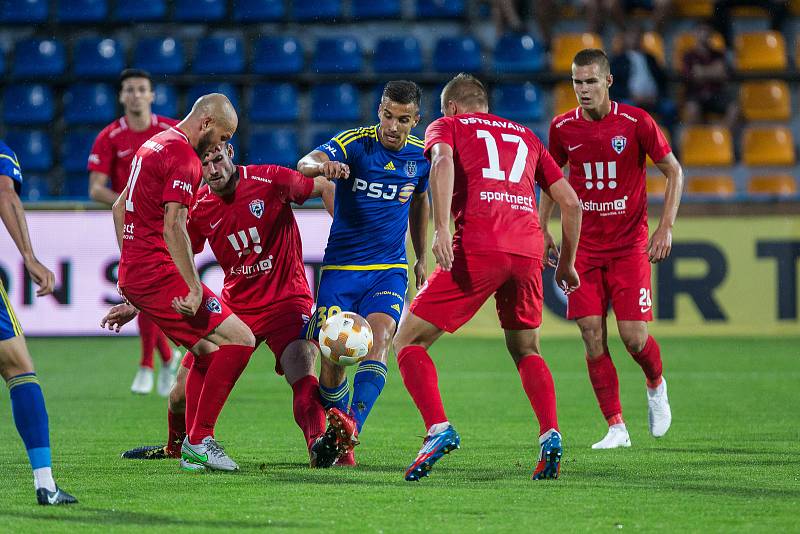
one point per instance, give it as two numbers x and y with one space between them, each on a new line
624 281
182 330
450 298
278 325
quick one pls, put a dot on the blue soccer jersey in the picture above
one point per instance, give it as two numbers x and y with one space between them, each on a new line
370 217
9 166
9 324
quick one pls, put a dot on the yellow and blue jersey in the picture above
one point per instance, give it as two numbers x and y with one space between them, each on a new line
370 217
9 324
9 166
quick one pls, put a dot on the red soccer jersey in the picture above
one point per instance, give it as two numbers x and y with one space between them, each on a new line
116 144
497 163
254 236
608 170
164 169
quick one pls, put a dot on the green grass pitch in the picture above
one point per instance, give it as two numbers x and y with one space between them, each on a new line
731 461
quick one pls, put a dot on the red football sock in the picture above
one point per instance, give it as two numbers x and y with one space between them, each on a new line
198 367
148 332
177 431
307 407
603 376
421 381
650 362
227 365
163 347
538 385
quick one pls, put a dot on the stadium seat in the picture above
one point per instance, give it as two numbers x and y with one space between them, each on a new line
218 55
320 137
656 185
82 10
794 7
89 103
198 90
428 9
276 146
258 10
38 57
694 8
685 41
277 55
165 101
75 149
28 104
200 10
76 186
335 102
564 98
274 102
397 54
516 52
152 10
23 11
765 100
337 55
33 149
797 54
566 45
761 51
517 101
316 10
159 55
95 56
370 9
653 44
768 146
2 61
457 54
706 145
718 186
772 185
36 188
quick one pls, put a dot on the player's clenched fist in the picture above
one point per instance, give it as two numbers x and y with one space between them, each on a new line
567 278
334 170
551 251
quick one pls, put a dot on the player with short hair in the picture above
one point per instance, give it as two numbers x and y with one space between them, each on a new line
365 269
484 170
16 367
109 166
605 144
158 276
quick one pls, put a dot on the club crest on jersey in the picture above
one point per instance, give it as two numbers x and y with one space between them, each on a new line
257 208
618 143
411 169
213 305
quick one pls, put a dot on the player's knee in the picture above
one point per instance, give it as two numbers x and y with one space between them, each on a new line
635 341
592 336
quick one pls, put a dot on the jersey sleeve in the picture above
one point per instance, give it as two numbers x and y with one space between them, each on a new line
292 185
9 166
652 139
101 157
439 131
555 147
343 146
181 170
547 170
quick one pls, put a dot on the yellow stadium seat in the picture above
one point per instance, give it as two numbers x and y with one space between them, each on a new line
685 41
797 54
706 145
761 51
694 8
778 184
794 7
669 140
656 185
768 146
564 98
721 186
766 100
566 45
749 11
653 44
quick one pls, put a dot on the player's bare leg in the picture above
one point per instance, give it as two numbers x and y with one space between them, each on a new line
523 345
645 350
603 376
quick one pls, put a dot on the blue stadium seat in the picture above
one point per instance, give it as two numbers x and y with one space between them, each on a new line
335 102
258 10
127 11
95 56
39 57
75 150
337 55
518 101
35 188
316 10
434 100
277 55
277 147
457 54
89 103
28 104
33 149
200 10
218 55
82 10
23 11
2 61
427 9
320 137
398 54
76 186
372 9
165 101
274 102
519 53
196 91
159 56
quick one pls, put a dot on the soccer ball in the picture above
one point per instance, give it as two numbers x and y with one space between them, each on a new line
345 338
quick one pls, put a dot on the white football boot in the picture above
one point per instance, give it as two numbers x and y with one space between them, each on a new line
617 437
143 381
166 376
659 414
208 453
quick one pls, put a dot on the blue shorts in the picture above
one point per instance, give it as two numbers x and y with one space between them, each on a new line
9 324
362 292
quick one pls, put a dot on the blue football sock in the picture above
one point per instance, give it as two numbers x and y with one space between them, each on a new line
336 397
30 416
367 385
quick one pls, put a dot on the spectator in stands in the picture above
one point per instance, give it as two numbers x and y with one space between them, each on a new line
706 77
618 11
776 9
509 16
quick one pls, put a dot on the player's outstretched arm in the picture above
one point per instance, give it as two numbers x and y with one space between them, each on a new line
317 163
99 190
180 248
551 252
442 177
660 244
418 215
13 216
563 194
